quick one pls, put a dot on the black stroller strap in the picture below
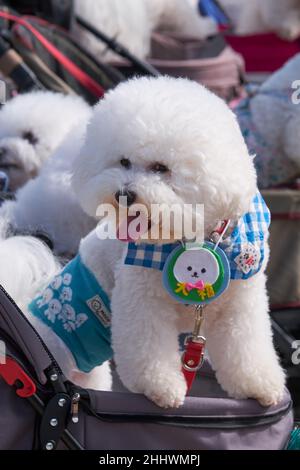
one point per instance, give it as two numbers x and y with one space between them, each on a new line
114 45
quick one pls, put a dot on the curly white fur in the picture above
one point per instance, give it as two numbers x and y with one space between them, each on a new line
186 128
47 204
132 22
32 126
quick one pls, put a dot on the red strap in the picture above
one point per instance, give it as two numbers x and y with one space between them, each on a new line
192 360
12 372
88 82
221 227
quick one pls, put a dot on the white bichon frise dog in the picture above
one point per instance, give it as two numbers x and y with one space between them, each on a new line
32 126
131 22
47 207
173 142
270 123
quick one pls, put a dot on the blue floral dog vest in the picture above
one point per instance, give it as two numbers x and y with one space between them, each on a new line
244 247
77 309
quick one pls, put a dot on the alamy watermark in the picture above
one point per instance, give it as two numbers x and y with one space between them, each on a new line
296 93
157 222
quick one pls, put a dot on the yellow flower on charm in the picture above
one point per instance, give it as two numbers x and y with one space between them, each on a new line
181 288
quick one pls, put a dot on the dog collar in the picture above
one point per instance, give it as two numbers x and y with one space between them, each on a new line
244 246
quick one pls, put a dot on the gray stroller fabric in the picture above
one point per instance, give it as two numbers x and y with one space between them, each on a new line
125 421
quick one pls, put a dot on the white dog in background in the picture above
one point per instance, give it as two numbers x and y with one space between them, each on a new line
32 126
270 121
131 22
257 16
47 205
171 141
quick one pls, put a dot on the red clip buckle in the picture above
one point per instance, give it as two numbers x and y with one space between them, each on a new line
192 359
11 372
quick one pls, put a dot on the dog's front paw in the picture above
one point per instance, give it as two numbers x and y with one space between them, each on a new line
167 391
270 386
267 387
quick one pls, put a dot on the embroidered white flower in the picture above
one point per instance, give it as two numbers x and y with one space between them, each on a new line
66 294
67 279
249 258
81 319
56 283
67 314
45 299
54 308
70 326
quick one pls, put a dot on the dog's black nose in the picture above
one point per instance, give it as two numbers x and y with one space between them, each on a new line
129 195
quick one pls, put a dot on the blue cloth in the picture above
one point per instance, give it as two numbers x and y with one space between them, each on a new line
77 309
245 243
212 9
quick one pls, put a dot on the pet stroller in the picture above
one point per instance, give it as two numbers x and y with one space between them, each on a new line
40 409
54 58
52 55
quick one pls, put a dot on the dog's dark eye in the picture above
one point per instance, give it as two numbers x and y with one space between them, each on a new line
30 137
190 268
159 168
203 271
126 163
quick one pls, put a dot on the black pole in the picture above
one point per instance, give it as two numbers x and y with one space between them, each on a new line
122 51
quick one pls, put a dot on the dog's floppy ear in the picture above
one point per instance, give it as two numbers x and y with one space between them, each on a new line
230 193
227 181
81 185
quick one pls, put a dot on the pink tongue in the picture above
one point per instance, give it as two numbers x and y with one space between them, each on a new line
123 230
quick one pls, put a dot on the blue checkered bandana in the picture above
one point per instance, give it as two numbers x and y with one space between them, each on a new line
244 247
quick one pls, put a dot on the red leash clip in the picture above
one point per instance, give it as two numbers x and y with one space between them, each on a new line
13 374
193 356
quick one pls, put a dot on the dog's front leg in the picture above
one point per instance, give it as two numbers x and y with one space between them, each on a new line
240 346
145 337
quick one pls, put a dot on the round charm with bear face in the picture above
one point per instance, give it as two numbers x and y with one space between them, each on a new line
197 276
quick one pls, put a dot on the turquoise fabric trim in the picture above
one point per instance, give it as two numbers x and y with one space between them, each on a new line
77 309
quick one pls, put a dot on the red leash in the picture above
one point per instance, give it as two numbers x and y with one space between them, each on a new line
88 82
193 356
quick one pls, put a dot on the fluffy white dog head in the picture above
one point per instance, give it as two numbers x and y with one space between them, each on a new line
31 127
165 141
